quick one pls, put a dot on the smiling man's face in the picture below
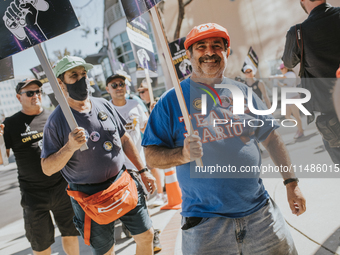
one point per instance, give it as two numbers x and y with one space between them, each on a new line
208 58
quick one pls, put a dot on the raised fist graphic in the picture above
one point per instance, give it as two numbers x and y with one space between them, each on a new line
185 67
21 14
143 58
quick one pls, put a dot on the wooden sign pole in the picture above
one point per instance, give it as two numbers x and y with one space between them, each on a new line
175 81
57 90
5 161
148 79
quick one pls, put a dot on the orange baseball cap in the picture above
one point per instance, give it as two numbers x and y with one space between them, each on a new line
206 31
338 73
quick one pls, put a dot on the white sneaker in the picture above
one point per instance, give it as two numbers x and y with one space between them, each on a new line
158 201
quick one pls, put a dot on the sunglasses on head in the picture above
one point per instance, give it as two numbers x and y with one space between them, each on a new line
31 93
115 85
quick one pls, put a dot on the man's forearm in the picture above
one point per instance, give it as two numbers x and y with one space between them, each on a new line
163 157
55 162
278 153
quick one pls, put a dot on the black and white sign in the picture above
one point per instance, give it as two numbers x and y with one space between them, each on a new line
251 59
30 22
141 44
135 8
180 58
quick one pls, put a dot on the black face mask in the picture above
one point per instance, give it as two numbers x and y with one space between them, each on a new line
79 90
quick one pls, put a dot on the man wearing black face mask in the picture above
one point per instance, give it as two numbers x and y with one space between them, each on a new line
98 168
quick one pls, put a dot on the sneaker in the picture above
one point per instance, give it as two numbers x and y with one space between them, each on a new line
157 247
158 201
299 135
126 231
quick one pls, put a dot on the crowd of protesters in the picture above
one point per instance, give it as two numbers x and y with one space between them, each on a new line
127 148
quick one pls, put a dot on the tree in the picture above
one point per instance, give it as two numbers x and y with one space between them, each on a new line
181 12
60 54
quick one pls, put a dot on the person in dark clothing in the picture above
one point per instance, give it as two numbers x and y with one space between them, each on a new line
40 194
320 47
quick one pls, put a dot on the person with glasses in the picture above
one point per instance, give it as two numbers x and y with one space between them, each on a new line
94 170
40 194
257 85
136 120
143 91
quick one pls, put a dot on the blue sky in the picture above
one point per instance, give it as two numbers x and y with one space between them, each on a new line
90 17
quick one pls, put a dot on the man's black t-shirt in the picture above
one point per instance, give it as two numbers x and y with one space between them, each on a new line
23 134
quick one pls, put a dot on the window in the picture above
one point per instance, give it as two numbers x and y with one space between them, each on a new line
123 50
127 46
124 37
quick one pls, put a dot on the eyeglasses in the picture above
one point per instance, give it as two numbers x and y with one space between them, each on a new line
115 85
248 72
31 93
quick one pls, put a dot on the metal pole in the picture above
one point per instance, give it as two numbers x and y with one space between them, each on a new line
173 75
57 90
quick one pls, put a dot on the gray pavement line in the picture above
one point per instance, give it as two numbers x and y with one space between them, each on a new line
333 252
309 238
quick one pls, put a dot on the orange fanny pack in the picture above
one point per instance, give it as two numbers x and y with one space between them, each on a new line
108 205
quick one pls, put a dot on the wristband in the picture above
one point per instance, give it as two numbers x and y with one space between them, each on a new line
143 170
285 182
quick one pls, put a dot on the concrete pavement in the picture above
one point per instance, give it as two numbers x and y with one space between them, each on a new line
316 232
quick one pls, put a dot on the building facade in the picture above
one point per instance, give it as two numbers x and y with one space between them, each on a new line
9 103
115 22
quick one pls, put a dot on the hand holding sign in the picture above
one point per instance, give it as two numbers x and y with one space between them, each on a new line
21 14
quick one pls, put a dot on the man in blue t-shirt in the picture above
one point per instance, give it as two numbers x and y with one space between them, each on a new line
95 169
225 209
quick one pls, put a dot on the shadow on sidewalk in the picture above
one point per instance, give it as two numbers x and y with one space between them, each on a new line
302 139
331 244
57 248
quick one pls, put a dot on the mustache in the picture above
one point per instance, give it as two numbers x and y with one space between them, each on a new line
213 57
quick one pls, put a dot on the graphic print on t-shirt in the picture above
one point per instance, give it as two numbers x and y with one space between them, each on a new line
29 135
131 122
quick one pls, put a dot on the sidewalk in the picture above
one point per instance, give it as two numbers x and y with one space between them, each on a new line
317 231
13 240
319 226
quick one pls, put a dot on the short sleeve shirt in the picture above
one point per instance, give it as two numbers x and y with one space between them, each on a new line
104 158
23 134
135 119
234 144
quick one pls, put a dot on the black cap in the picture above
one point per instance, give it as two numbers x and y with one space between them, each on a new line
114 76
25 83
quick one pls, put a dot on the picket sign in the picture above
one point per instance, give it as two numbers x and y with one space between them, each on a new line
173 74
148 80
5 161
57 90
